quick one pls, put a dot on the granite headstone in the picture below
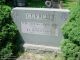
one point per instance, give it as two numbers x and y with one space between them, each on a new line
40 26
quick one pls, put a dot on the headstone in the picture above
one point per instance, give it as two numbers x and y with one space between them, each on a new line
48 4
55 3
19 3
52 3
40 26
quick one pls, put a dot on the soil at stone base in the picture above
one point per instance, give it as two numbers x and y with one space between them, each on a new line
42 56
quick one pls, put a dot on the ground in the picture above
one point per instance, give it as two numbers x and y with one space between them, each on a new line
41 56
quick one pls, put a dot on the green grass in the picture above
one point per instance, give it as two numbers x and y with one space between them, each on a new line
70 4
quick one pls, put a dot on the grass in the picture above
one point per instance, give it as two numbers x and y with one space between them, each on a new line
70 4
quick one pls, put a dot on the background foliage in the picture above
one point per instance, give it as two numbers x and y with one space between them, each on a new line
71 31
9 42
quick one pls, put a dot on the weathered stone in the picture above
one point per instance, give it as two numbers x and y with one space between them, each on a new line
40 26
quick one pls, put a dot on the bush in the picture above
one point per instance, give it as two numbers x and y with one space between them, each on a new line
70 49
71 31
6 52
8 33
2 1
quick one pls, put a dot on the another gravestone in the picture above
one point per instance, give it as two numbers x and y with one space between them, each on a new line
19 3
52 3
40 26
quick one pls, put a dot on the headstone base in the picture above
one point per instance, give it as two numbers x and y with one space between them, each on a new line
40 48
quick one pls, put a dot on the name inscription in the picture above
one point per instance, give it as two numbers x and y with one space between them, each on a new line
43 27
37 16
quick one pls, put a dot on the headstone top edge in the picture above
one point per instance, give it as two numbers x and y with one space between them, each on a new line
41 9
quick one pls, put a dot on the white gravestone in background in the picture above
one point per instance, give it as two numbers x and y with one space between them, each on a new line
40 26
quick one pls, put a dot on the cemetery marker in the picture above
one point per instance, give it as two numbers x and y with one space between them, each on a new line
40 26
